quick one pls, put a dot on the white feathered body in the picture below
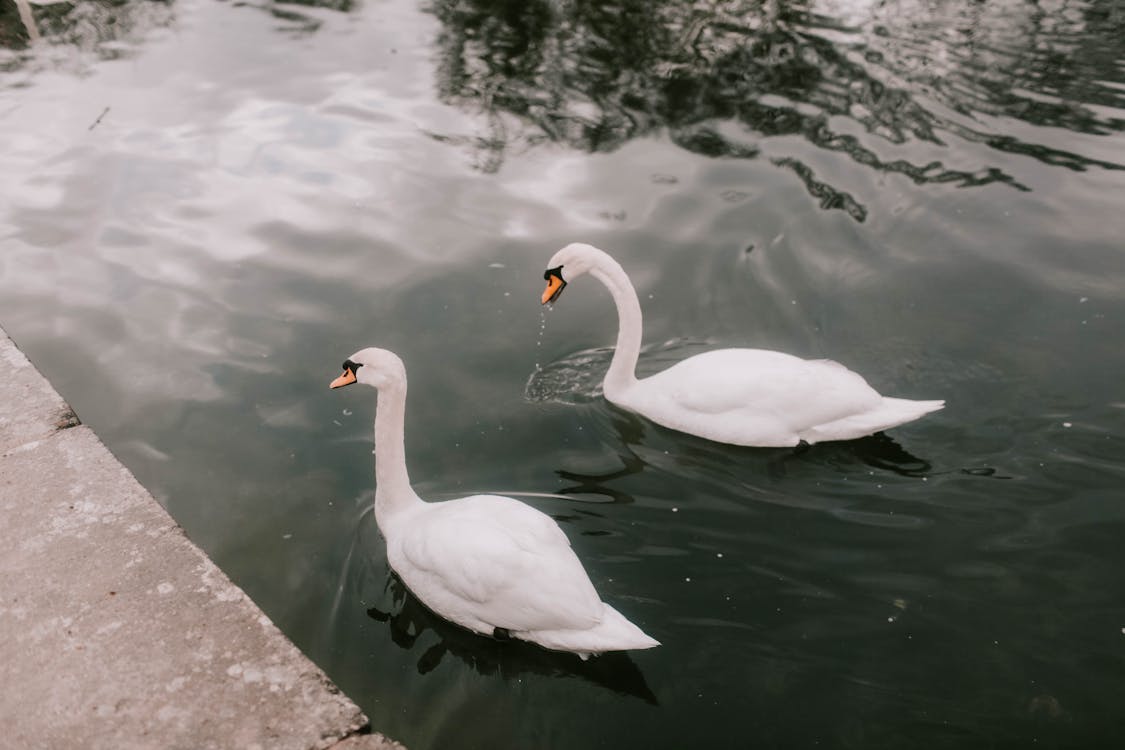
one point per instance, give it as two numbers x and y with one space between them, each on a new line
487 562
757 397
750 397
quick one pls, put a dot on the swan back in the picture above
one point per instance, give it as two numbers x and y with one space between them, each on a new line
488 561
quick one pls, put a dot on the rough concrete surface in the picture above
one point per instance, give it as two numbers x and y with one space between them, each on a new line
29 406
115 630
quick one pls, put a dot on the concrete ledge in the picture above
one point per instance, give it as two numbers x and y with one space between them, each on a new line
115 630
29 406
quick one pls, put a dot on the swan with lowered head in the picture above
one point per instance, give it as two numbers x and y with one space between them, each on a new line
752 397
488 563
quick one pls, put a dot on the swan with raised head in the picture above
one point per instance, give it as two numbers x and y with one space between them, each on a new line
751 397
486 562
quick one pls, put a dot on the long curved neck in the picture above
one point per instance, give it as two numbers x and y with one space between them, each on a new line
393 493
622 370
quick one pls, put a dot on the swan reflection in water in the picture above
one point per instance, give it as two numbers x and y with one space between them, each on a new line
640 444
408 619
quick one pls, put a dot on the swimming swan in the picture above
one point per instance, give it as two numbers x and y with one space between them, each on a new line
741 396
486 562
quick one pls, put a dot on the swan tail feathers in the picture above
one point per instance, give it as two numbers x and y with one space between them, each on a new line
612 633
892 412
913 409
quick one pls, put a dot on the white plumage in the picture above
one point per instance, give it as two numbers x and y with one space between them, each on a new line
750 397
484 561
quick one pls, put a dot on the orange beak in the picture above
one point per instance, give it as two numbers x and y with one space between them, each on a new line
346 379
554 288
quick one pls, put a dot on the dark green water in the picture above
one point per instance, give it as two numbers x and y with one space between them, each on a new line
930 192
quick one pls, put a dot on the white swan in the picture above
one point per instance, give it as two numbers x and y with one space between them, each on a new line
741 396
486 562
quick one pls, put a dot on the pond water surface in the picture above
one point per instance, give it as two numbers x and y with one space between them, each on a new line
206 206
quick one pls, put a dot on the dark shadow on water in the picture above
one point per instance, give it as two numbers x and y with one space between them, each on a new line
408 619
881 451
595 484
629 429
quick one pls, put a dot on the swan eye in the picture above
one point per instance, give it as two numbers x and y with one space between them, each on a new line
555 284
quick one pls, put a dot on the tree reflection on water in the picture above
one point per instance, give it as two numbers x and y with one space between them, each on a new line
109 29
889 84
721 76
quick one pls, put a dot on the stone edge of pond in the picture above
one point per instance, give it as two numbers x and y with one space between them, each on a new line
116 631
